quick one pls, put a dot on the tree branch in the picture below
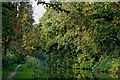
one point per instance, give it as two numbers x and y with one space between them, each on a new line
54 6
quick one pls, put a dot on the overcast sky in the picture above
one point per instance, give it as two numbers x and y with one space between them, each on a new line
38 10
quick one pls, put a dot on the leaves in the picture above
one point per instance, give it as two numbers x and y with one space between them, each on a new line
81 38
84 38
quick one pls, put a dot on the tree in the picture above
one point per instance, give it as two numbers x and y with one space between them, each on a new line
80 38
7 30
18 21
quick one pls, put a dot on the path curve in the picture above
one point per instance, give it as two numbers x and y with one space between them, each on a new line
13 73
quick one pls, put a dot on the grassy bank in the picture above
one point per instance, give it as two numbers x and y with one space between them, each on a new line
6 71
24 72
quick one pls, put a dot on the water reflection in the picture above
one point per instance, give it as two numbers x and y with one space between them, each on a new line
58 72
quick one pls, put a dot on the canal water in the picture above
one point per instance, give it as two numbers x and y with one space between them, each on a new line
81 74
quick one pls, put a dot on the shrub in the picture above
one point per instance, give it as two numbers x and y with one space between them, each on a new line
31 61
9 59
40 71
108 63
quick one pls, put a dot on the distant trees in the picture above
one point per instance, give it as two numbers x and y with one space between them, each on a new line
17 20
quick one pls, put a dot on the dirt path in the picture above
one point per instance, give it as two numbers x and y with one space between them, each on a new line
13 73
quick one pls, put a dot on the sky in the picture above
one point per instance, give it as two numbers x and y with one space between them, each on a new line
38 10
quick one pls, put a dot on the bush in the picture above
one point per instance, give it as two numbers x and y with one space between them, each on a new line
40 71
31 61
108 63
9 59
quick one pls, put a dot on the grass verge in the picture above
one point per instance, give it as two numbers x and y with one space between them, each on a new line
6 71
24 72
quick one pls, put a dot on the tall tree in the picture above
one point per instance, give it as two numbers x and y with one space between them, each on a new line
7 30
18 21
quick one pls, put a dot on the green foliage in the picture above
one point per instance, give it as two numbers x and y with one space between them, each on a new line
40 71
84 38
17 22
6 71
31 61
24 72
7 30
9 59
108 63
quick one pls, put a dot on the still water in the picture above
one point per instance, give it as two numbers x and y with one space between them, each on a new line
81 74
